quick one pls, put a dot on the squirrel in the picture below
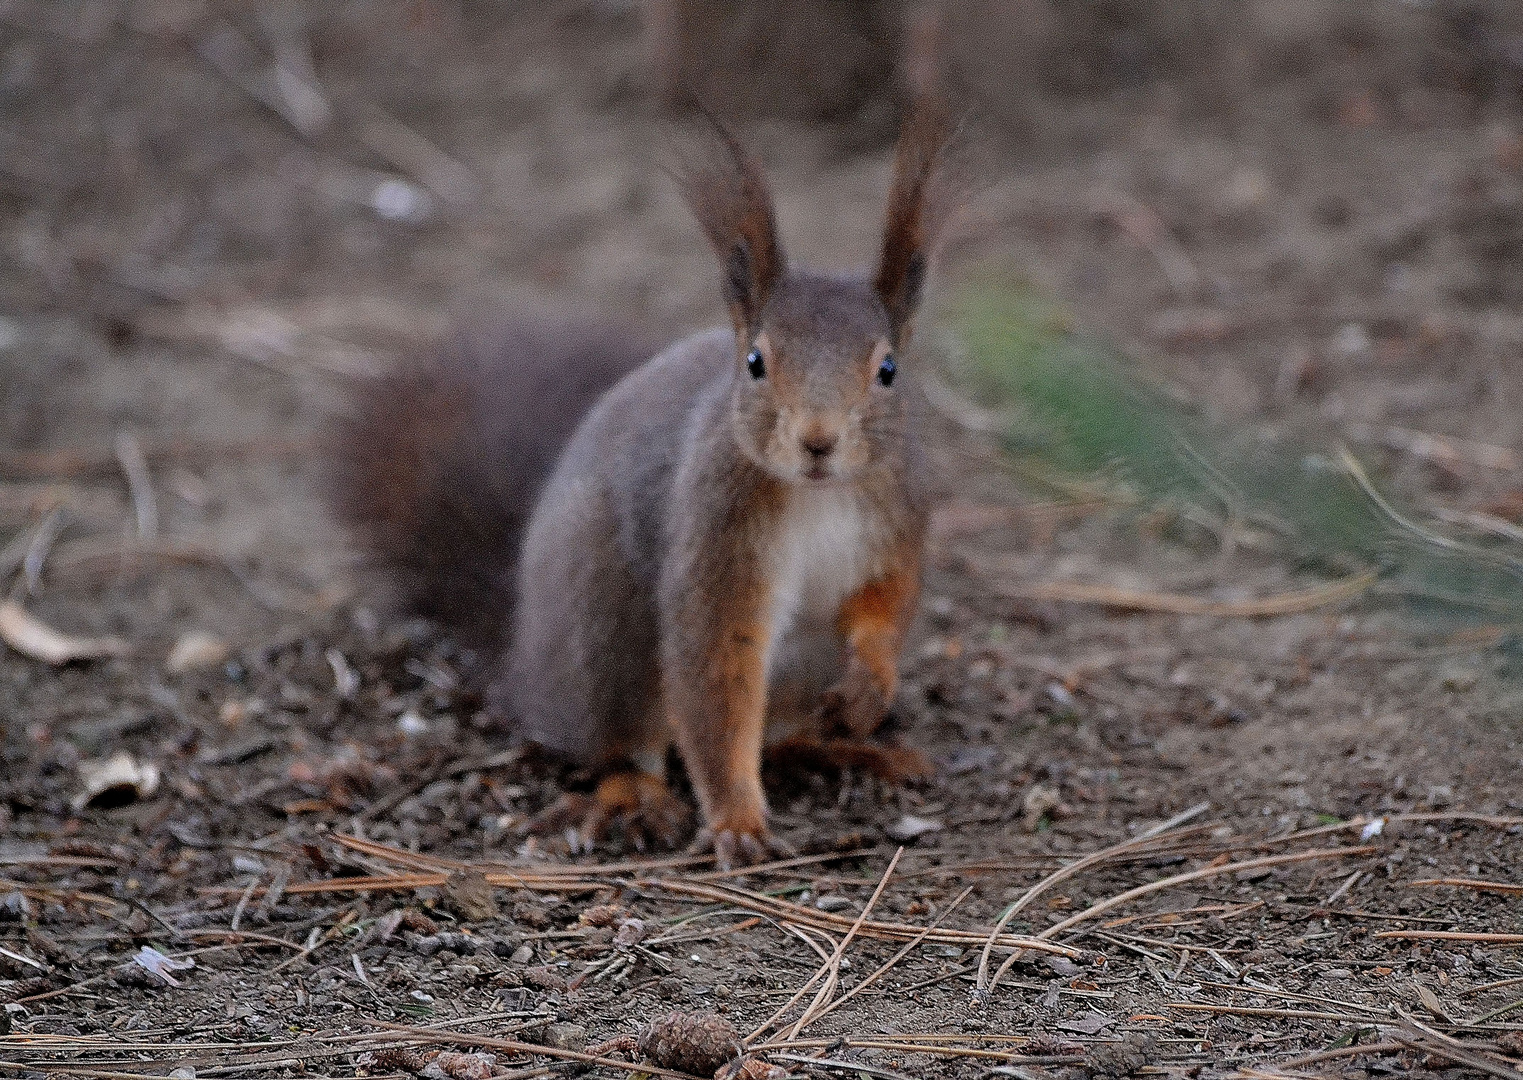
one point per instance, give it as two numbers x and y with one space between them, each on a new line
716 549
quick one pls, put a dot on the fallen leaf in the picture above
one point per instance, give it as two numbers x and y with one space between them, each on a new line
31 637
122 777
156 963
1432 1003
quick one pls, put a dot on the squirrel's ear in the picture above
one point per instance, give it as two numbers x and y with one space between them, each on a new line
725 189
920 200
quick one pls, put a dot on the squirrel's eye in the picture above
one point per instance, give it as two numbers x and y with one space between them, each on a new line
755 364
886 370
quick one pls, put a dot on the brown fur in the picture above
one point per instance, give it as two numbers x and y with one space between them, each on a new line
919 203
708 543
873 622
728 194
891 764
438 464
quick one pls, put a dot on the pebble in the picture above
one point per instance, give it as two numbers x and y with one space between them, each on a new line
565 1037
910 827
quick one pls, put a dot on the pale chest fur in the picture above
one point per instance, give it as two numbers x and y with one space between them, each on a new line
825 546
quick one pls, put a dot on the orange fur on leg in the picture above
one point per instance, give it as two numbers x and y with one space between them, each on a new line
872 621
719 719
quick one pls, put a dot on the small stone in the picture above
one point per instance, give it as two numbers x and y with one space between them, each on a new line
397 200
604 915
1351 341
1039 802
1062 965
834 901
544 978
533 915
424 944
630 932
1460 680
469 895
522 955
195 650
911 827
671 987
565 1037
1123 1058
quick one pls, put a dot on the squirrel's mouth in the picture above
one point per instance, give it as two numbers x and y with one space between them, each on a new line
818 471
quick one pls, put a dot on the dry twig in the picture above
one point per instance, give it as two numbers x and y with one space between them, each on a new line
129 453
833 963
1138 600
1181 879
1147 838
1450 935
1472 883
32 637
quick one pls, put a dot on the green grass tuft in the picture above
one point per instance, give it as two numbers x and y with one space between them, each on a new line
1076 407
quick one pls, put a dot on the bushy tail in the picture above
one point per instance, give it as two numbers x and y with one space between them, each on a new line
438 465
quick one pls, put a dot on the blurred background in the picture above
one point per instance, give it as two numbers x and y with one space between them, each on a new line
1212 245
1299 214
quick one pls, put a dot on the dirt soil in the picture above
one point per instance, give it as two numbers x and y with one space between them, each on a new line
205 273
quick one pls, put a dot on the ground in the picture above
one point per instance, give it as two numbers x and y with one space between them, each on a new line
206 273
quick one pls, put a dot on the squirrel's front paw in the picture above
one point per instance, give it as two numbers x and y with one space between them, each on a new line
743 840
855 705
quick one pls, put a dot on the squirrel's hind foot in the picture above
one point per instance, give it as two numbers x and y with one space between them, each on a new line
891 764
635 806
741 845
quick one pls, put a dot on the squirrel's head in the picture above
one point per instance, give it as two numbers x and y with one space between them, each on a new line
816 389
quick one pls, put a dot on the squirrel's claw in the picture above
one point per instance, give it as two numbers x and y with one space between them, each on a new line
741 846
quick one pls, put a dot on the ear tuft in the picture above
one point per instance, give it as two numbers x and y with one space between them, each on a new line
920 200
728 194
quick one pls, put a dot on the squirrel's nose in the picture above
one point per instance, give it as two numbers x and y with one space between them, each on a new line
819 444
